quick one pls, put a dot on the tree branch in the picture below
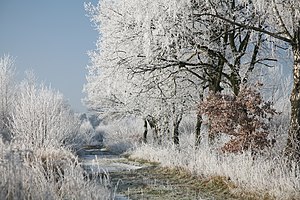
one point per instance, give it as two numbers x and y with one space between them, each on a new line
258 29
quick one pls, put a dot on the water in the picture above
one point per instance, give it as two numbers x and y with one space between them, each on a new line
135 180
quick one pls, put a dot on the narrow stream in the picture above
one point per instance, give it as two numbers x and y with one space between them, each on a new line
133 180
104 163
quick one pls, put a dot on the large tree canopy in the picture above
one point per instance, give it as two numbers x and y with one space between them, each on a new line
157 57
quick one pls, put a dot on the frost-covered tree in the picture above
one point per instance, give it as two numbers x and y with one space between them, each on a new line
7 90
119 67
165 54
231 53
282 18
109 93
41 117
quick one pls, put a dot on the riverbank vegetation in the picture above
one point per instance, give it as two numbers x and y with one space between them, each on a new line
265 175
39 135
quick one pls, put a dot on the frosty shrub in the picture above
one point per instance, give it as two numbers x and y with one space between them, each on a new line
41 117
244 117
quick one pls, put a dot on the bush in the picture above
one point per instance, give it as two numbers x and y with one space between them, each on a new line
244 117
41 117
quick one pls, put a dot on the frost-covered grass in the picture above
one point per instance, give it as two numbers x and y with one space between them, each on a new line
263 175
45 174
46 171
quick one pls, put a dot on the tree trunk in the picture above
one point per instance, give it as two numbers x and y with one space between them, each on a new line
212 137
154 127
145 131
176 134
293 143
235 82
198 130
176 129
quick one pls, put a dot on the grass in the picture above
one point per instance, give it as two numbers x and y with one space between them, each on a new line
165 183
45 174
265 176
241 175
142 161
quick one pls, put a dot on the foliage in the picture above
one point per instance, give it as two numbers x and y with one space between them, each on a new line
245 117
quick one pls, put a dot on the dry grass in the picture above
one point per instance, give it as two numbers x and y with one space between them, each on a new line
45 174
260 177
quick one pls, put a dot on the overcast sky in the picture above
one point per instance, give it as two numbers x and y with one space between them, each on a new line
52 38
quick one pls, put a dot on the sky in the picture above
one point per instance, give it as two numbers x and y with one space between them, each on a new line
52 38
